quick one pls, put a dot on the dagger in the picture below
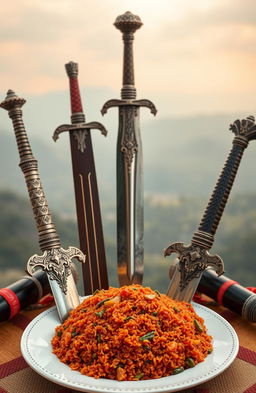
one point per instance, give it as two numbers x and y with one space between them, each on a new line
129 190
86 189
55 260
194 258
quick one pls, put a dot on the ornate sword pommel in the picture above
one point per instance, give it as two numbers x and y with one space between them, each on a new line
193 260
56 263
128 22
244 130
12 102
72 69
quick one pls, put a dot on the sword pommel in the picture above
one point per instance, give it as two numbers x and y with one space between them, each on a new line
128 22
244 130
72 69
12 101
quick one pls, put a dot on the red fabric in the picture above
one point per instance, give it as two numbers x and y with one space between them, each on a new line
251 389
12 366
76 103
12 299
247 355
252 289
223 289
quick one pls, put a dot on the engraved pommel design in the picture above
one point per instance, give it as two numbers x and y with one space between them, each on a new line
193 260
244 130
12 101
128 22
72 69
56 263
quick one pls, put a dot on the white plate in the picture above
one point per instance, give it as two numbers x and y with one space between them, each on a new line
36 350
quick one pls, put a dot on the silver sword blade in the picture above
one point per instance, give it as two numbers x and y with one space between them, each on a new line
129 198
174 291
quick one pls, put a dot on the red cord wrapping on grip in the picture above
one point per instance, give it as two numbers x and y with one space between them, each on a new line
12 299
76 103
223 289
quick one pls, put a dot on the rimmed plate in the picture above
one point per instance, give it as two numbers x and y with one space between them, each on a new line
36 350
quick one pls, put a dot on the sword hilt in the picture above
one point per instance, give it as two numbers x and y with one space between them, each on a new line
78 126
244 130
128 23
194 258
48 237
77 114
55 260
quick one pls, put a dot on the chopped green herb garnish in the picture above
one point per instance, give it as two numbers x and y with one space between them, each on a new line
209 351
149 361
198 326
147 336
190 362
142 312
98 337
154 313
146 347
135 289
95 324
128 318
100 313
59 334
94 356
84 309
176 309
157 292
102 302
74 333
178 370
139 376
96 291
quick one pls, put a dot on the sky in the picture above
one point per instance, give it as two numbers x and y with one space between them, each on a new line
191 57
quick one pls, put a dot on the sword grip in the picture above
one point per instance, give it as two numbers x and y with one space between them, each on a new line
48 237
220 195
75 97
128 24
244 132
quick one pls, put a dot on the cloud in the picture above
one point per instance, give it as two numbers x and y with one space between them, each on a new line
203 51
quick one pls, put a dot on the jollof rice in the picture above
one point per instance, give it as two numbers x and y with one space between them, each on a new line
131 333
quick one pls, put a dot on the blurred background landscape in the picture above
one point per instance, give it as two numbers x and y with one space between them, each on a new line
195 60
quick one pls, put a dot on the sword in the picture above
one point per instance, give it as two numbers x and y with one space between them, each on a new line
55 260
129 189
86 190
195 258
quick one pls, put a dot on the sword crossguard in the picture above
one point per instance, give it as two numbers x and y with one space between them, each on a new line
56 263
80 131
193 260
138 103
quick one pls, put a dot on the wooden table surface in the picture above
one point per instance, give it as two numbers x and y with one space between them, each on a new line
17 377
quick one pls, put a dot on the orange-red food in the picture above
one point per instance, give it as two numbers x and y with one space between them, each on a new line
131 333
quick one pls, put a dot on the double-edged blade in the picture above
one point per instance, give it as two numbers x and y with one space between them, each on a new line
129 166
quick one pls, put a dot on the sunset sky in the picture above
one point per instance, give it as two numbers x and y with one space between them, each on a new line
190 56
